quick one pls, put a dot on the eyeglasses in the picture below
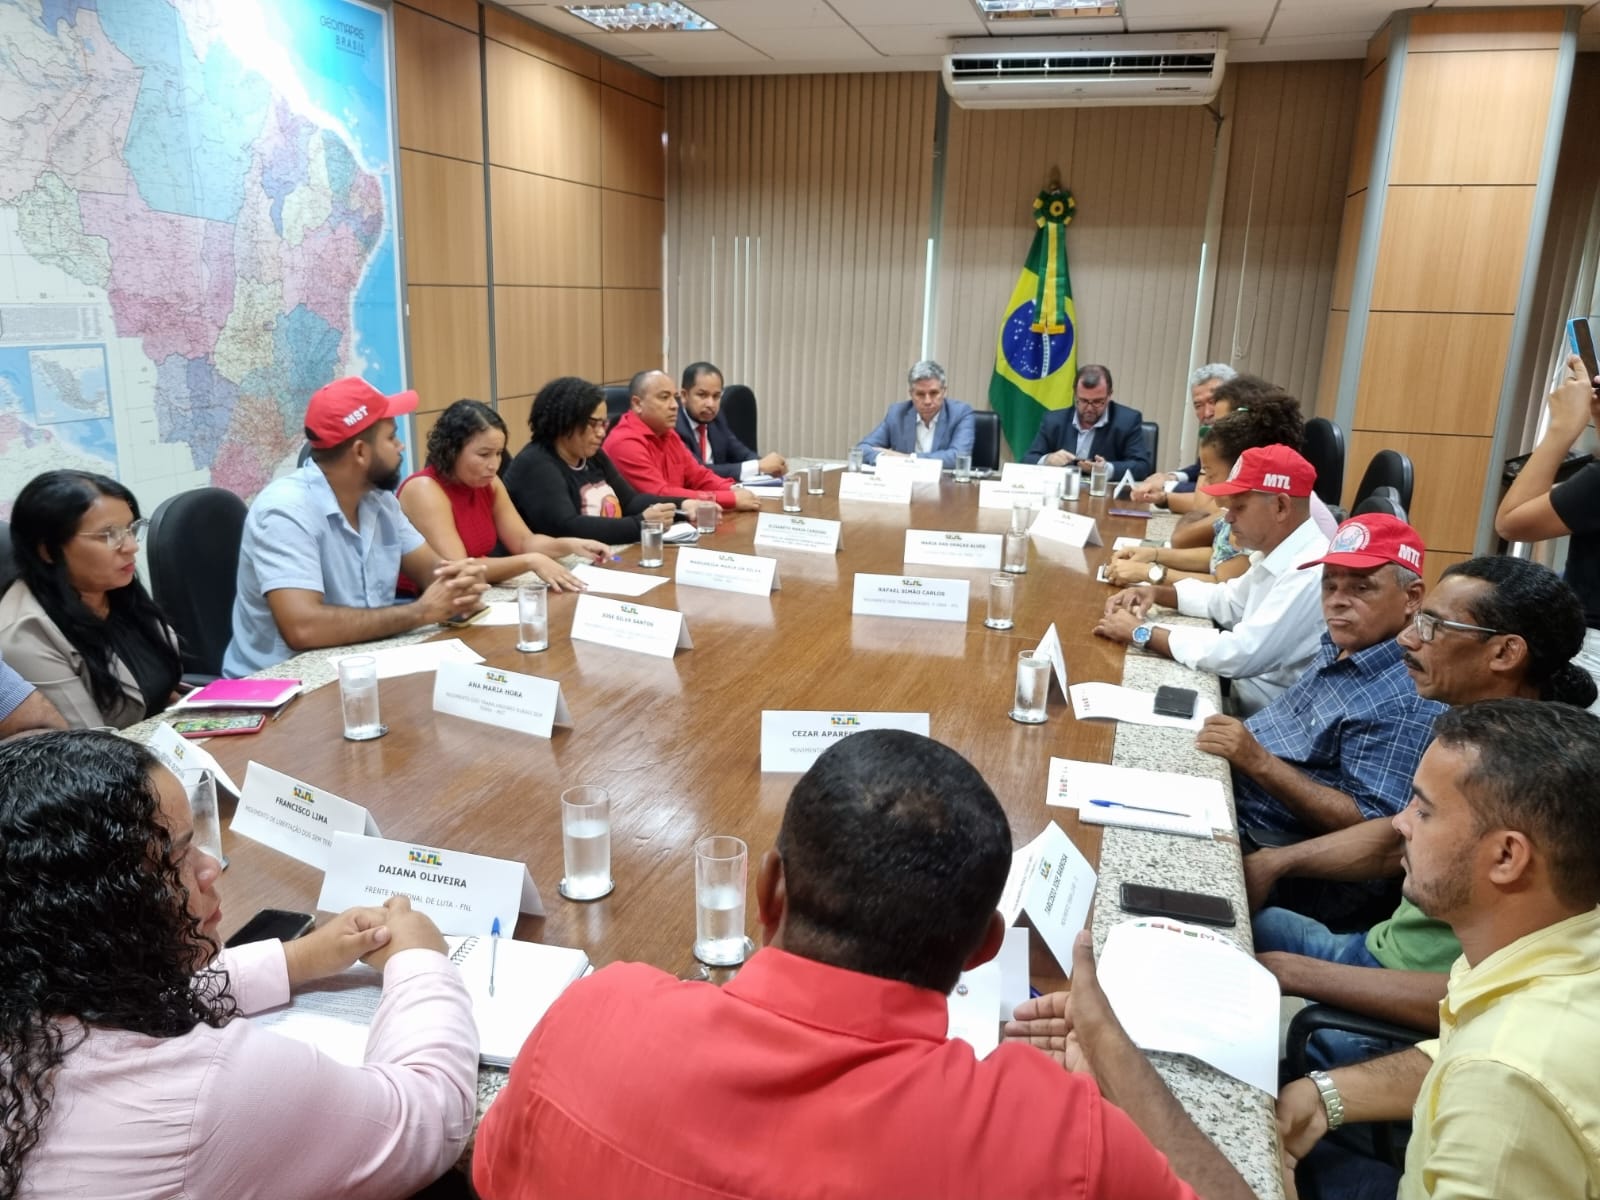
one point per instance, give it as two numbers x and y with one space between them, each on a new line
597 422
1426 625
118 534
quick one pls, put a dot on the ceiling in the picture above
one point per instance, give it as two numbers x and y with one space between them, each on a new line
771 37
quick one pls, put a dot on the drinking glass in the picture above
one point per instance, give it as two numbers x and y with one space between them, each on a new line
857 457
1033 688
358 698
1098 474
533 617
814 479
650 535
201 787
705 515
719 882
1072 481
963 468
1002 594
1021 516
1014 554
586 843
792 483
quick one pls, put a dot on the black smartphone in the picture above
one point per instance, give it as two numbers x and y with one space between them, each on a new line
1580 332
273 923
1180 906
1175 702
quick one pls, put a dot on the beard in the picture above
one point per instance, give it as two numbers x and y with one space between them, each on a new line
384 481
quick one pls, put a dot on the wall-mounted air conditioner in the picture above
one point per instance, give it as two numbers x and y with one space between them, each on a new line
1073 72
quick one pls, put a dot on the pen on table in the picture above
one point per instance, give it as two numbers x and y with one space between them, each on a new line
494 951
284 707
1166 812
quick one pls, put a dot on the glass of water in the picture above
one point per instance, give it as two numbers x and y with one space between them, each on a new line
1071 482
1002 596
792 483
650 535
533 617
358 698
705 515
1098 474
201 788
1014 554
1033 688
814 479
586 843
963 468
857 458
719 879
1021 516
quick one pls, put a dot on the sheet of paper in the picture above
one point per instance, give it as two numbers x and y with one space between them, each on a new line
178 753
422 656
616 583
1113 702
681 534
1200 803
1054 884
1127 543
501 612
765 491
972 1006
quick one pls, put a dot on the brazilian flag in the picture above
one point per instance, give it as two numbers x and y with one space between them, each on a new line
1036 353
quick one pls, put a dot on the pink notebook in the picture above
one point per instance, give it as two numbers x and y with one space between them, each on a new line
242 693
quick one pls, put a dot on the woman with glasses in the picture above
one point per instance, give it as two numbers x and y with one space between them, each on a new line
562 482
77 623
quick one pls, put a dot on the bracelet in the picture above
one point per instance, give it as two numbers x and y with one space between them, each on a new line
1332 1102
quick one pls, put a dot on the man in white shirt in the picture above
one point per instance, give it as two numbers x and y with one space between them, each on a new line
1267 622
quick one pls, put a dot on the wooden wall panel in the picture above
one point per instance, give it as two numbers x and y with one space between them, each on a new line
514 412
1326 400
422 424
636 83
546 231
509 30
540 333
542 118
449 344
444 219
1436 562
1378 49
632 156
1453 249
1369 109
1432 372
1490 125
632 321
458 12
1450 30
1444 503
1344 270
440 105
631 255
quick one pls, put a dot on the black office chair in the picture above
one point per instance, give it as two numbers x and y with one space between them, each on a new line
1388 468
305 454
193 552
739 406
617 400
1324 450
1152 438
986 441
1382 500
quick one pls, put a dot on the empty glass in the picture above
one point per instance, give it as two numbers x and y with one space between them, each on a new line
533 617
1033 688
1002 594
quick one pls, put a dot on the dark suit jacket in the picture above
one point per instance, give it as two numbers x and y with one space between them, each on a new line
728 453
1120 441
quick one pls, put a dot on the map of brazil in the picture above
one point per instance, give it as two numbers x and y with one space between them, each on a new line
197 230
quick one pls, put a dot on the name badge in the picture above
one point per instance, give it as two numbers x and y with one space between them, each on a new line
783 532
858 485
946 548
995 493
921 597
459 892
295 818
627 626
747 573
1050 646
1068 528
504 699
917 470
179 754
1054 884
791 740
1052 481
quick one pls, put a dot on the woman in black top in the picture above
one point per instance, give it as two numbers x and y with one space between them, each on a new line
562 482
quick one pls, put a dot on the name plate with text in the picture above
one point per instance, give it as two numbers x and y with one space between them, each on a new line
179 754
1050 480
460 892
858 485
917 470
747 573
784 532
791 740
993 493
920 597
628 626
1054 884
947 548
1050 646
505 699
295 818
1068 528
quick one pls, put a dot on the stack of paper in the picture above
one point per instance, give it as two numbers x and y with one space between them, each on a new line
616 583
1137 798
1112 702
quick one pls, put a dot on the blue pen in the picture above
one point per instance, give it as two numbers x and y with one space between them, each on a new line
616 558
1166 812
494 951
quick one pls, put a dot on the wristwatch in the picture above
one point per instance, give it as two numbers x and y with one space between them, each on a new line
1157 572
1141 635
1332 1102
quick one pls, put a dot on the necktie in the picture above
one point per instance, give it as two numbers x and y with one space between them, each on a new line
705 446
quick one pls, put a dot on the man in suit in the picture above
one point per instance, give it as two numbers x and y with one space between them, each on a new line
705 431
926 426
1095 429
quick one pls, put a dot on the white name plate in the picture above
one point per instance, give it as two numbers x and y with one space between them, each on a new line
178 754
1050 480
1068 528
461 893
627 626
747 573
1050 646
858 485
504 699
946 548
993 493
783 532
922 597
791 740
917 470
1054 885
295 818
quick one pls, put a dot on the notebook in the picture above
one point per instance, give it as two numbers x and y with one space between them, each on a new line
528 976
241 693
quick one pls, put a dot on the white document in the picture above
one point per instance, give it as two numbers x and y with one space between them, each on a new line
992 493
504 699
1125 485
921 597
791 740
947 548
972 1006
1164 801
1052 481
421 656
1127 543
747 573
886 489
764 491
917 470
681 534
1184 990
1054 884
616 583
295 818
1013 960
1069 528
1113 702
460 892
658 631
501 612
783 531
1050 646
178 754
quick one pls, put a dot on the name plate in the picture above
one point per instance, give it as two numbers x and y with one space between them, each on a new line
747 573
993 493
657 631
917 470
1054 884
791 740
295 818
504 699
946 548
1068 528
179 754
1050 480
921 597
1050 646
858 485
461 893
783 532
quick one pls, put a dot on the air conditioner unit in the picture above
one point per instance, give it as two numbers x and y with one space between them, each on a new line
1081 72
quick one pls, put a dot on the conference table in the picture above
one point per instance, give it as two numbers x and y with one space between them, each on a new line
676 742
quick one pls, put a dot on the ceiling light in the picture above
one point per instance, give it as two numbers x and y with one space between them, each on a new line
1005 10
653 16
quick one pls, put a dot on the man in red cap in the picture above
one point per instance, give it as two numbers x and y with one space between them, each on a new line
1342 744
322 547
1267 622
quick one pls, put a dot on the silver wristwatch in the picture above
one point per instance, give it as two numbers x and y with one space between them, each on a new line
1157 572
1332 1102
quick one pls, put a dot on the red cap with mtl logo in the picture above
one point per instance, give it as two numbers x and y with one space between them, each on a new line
1371 540
349 406
1276 470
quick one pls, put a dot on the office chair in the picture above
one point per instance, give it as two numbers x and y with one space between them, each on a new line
739 406
1324 450
1382 500
304 456
1152 438
8 560
1388 468
986 440
617 399
193 555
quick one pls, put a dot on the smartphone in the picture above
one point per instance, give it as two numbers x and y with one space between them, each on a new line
272 923
460 619
1580 332
204 727
1180 906
1175 702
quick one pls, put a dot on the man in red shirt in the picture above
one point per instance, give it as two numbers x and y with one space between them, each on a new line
823 1068
646 448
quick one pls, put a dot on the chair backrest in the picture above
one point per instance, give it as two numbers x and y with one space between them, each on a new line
304 456
739 406
8 560
617 399
1324 450
986 440
1388 468
1152 438
1383 500
193 556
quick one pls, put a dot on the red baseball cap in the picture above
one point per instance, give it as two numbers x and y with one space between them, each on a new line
1276 470
1372 540
349 406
